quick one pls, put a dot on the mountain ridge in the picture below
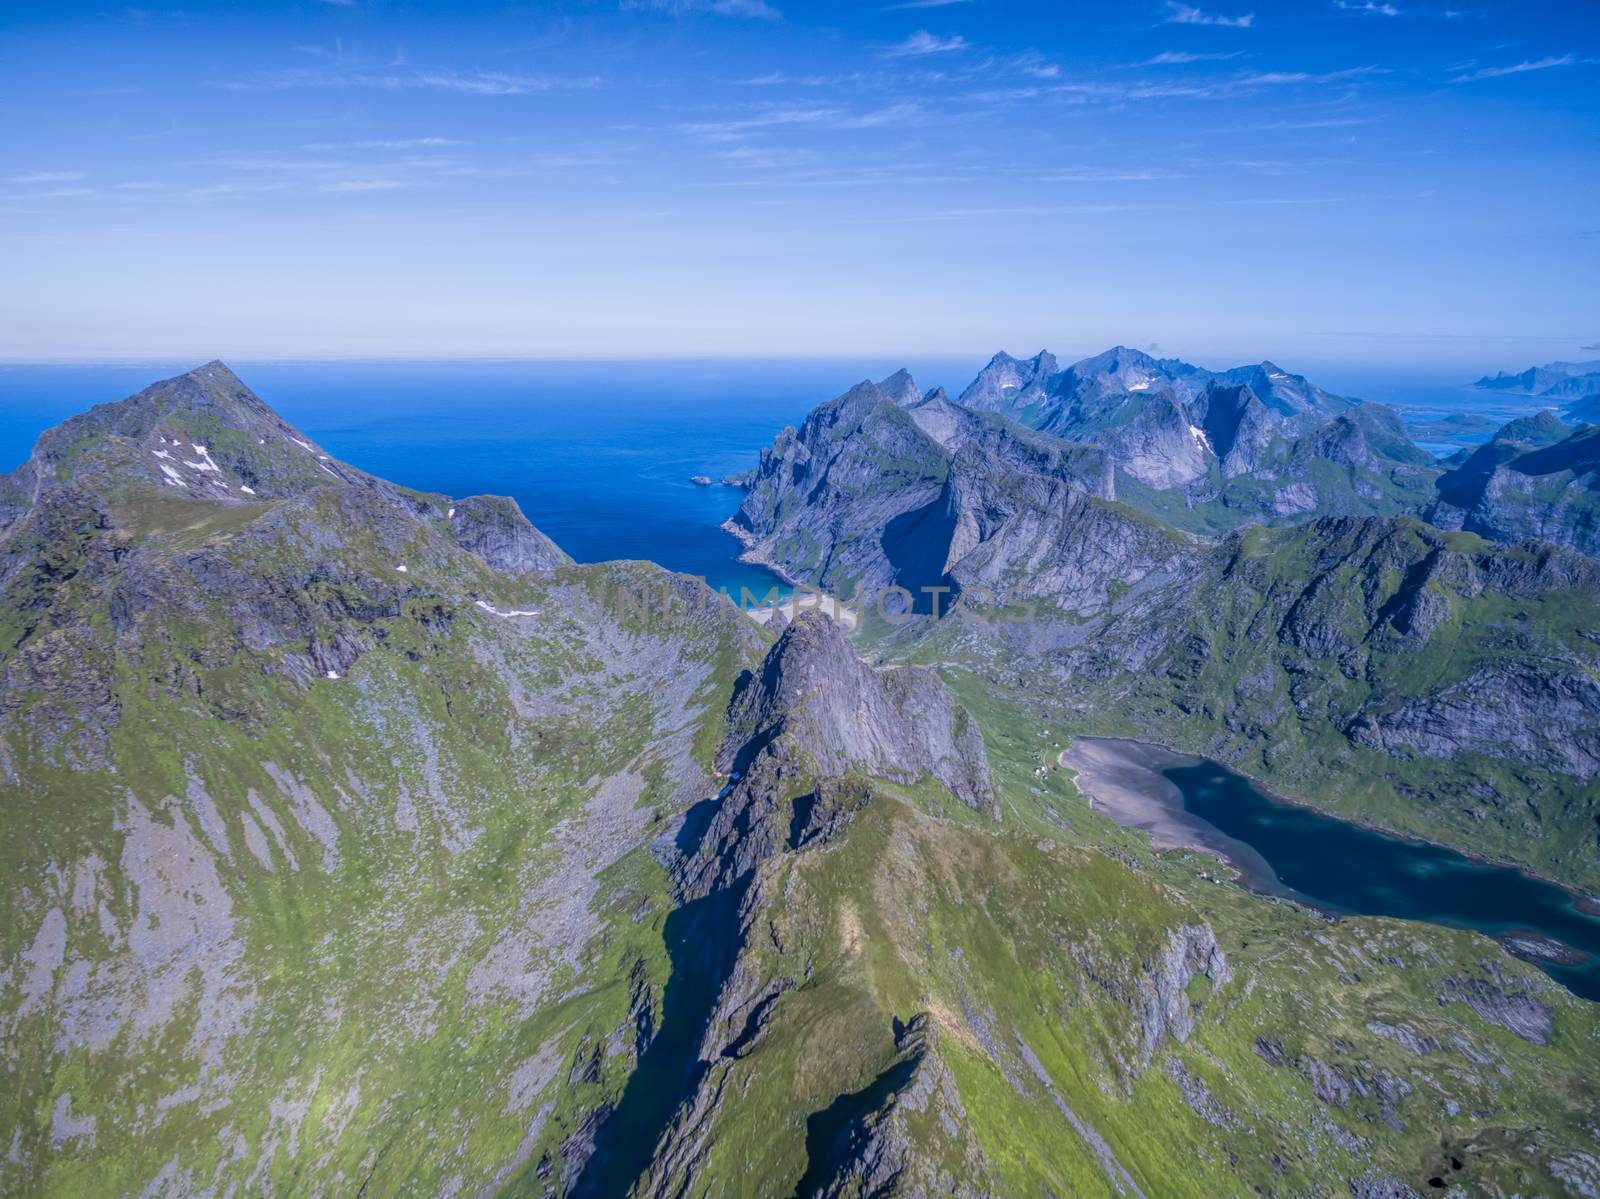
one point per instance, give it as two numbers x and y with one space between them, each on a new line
363 841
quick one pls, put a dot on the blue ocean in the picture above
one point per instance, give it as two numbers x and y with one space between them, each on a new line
599 454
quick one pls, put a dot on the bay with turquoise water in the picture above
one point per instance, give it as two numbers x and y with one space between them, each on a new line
1290 850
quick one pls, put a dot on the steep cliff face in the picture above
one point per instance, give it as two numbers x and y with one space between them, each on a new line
1018 537
1010 385
858 499
822 496
814 692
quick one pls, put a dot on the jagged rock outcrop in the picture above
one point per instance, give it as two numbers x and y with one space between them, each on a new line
1008 384
901 389
814 693
856 500
823 495
494 528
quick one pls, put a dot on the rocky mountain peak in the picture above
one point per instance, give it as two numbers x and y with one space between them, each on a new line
1544 428
816 694
1006 381
199 435
901 388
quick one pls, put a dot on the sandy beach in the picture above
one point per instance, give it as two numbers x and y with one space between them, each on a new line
826 605
1124 780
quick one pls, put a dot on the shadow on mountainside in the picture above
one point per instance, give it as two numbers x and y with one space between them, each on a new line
702 940
916 544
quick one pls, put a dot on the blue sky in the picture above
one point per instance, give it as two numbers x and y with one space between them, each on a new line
1376 179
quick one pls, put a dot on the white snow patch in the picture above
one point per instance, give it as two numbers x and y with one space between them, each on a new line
452 512
305 445
162 453
205 463
493 611
328 471
172 475
247 490
333 674
401 567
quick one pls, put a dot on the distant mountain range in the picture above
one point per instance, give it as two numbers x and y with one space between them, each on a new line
1274 648
1570 383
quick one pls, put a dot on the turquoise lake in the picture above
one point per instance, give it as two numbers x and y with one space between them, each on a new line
1353 870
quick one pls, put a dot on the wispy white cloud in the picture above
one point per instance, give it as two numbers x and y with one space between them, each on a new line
364 185
36 178
1117 93
1037 66
758 9
491 83
1272 78
1188 14
811 116
922 42
1106 175
1368 8
923 4
402 143
777 78
1542 64
479 83
1170 58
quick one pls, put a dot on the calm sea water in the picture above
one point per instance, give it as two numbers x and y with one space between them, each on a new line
1354 870
599 454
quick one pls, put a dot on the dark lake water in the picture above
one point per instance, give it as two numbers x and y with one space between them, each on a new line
1356 871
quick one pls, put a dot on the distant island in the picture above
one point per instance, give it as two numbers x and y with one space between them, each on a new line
1563 382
